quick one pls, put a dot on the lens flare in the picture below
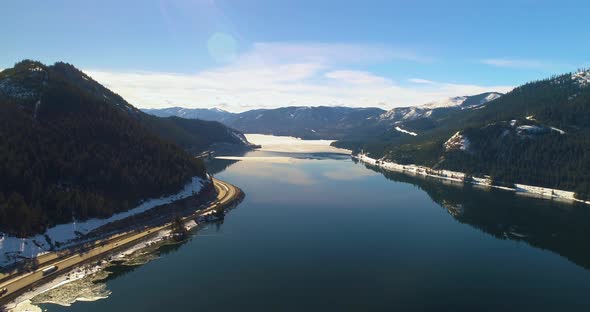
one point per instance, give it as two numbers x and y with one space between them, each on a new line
222 47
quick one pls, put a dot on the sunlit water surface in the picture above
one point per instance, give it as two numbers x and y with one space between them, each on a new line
317 232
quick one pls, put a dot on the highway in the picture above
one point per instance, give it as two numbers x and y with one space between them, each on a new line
18 283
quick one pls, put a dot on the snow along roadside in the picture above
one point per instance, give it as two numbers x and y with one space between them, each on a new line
13 249
23 301
456 176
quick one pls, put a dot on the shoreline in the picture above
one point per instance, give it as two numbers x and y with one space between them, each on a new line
63 236
34 283
459 177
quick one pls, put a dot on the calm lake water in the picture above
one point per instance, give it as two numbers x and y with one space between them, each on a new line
318 232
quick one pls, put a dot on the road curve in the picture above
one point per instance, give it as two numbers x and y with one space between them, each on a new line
20 282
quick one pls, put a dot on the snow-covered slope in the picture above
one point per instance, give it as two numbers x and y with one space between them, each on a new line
427 110
449 102
582 78
457 142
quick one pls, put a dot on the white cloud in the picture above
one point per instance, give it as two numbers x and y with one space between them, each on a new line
281 74
356 77
421 81
514 63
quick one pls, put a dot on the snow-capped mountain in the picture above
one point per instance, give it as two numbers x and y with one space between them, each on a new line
322 122
212 114
428 109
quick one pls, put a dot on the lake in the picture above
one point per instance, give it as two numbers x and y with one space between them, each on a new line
319 232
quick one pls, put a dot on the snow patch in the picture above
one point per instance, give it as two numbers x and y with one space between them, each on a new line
582 78
490 97
405 131
527 130
457 142
240 137
558 130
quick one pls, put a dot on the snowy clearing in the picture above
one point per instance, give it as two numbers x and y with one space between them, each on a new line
457 142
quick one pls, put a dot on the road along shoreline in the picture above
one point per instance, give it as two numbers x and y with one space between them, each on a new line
460 177
21 282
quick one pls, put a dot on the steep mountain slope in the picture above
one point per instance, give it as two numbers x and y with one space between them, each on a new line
191 134
305 122
537 134
196 135
70 148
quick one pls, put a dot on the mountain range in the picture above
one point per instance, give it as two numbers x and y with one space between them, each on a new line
323 122
298 121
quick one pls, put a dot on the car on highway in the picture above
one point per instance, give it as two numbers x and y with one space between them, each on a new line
49 270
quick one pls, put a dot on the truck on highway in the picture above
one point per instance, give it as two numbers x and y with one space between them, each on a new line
3 291
49 270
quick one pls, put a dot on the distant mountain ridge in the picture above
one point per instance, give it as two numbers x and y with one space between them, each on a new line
211 114
326 122
301 121
439 107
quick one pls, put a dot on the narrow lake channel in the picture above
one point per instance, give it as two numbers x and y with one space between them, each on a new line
319 232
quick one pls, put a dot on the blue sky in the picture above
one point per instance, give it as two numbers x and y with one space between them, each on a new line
246 54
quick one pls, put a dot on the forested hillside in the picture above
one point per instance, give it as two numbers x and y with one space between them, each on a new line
70 148
195 135
537 134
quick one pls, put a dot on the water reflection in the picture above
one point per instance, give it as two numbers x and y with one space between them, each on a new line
219 165
353 240
93 287
559 227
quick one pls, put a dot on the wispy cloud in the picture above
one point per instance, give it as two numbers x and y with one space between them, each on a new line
421 81
280 74
357 77
514 63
